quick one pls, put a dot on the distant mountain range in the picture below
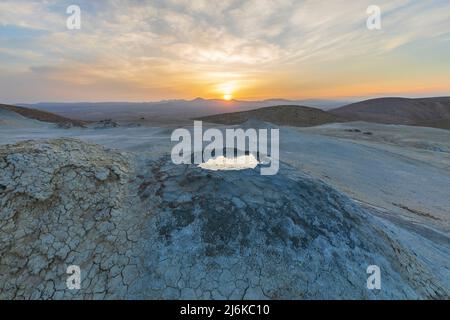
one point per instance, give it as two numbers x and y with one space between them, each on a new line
427 112
167 110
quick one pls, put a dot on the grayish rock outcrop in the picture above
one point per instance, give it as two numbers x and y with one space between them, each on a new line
141 228
105 124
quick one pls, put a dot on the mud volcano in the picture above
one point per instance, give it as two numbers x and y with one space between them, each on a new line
141 228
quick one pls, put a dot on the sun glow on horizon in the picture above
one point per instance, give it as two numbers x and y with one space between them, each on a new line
227 97
227 90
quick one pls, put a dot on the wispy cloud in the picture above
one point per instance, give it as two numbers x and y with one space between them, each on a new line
148 50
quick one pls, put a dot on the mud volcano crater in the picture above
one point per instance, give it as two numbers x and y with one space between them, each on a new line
227 152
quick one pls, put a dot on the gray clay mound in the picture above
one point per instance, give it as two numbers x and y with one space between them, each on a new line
152 229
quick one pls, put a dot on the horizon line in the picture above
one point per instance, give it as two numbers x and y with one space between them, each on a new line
338 99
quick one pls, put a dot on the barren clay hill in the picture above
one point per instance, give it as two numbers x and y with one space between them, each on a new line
42 115
135 228
298 116
426 112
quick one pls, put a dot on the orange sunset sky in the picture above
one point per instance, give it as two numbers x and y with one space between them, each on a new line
228 49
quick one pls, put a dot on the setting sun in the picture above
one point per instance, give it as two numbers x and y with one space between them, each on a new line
227 89
227 97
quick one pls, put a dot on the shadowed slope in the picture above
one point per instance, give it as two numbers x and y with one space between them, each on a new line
426 112
42 115
298 116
